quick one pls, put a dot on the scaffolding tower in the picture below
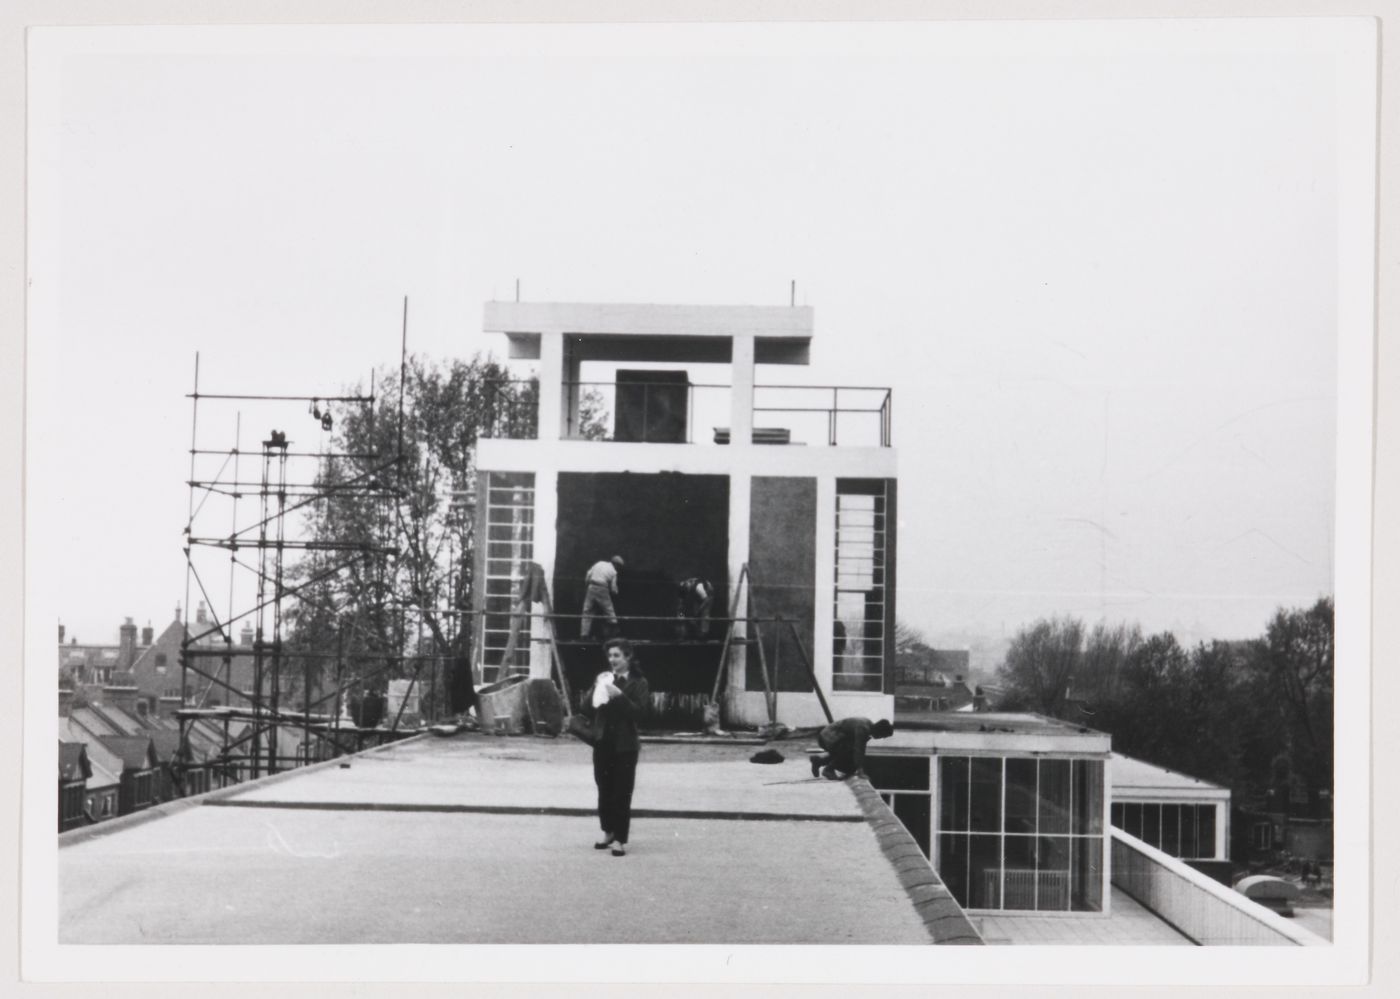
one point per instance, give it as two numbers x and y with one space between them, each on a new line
269 706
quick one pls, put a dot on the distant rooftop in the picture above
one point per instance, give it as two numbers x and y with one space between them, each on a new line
1137 778
991 730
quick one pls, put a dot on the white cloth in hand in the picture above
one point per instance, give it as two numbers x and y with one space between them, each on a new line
600 688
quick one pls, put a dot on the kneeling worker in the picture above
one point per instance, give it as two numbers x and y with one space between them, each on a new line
844 742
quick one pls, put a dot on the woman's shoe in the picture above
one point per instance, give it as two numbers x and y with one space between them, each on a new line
619 849
607 842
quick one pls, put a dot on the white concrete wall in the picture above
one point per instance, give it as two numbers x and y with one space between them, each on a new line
545 546
499 455
1199 906
769 321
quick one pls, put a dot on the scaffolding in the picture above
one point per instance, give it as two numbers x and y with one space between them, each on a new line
268 704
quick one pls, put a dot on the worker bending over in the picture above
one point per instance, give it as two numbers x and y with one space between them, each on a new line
600 586
694 597
844 742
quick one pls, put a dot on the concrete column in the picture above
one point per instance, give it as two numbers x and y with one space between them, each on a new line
570 391
551 385
824 580
741 396
546 517
740 499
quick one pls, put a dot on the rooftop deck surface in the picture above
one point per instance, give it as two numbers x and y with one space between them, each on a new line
473 839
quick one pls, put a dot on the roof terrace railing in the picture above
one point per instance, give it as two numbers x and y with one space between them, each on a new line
673 411
1199 906
649 412
510 408
845 415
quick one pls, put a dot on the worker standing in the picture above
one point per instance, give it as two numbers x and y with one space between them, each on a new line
600 586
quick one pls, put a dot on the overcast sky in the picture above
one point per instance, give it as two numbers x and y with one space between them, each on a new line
1098 264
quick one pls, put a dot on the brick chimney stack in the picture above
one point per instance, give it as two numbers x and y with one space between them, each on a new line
60 633
127 655
148 634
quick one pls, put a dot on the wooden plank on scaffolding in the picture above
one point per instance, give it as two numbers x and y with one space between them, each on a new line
807 662
729 634
557 660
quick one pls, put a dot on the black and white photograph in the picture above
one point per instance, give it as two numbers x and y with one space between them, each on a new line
822 500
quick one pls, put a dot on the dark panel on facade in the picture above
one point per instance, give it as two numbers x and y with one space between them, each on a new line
782 575
667 527
651 406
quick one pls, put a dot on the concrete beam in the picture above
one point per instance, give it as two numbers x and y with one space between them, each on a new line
770 322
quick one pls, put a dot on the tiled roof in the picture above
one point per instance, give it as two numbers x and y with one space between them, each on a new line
166 743
106 764
93 723
102 776
134 751
120 721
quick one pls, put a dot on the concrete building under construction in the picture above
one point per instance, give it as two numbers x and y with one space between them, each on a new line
697 463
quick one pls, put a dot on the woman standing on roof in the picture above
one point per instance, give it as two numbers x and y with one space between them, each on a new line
616 700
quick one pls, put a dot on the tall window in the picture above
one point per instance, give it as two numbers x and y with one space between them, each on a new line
858 634
903 784
1021 833
510 544
1185 831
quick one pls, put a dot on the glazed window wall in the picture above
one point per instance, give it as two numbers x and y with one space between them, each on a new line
1185 831
510 545
903 785
1022 833
858 636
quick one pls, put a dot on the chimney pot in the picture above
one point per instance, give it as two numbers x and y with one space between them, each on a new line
128 644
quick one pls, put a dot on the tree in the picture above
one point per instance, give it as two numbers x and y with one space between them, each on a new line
1148 717
1106 652
396 524
1040 665
1293 671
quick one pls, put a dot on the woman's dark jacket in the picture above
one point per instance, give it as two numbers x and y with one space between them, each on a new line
619 716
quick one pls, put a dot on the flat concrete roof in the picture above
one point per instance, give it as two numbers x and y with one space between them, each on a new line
990 732
479 839
1137 778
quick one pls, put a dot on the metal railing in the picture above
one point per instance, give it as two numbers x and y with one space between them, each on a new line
650 412
510 409
677 412
1199 906
829 414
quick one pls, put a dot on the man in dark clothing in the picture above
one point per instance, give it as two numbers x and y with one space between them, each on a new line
844 742
694 598
624 696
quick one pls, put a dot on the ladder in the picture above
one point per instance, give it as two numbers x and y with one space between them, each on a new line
534 585
744 584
